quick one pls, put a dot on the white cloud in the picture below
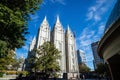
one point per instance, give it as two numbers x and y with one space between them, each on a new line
21 54
89 57
90 15
85 42
26 47
101 29
58 1
100 1
86 37
93 8
97 17
96 11
94 30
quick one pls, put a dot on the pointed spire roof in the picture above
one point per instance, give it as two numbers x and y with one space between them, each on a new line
58 20
45 19
44 22
33 42
68 29
57 23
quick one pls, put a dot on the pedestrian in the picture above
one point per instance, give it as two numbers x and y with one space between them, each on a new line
83 76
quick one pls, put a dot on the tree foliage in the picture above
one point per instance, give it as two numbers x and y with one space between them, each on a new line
13 20
101 68
16 64
6 55
14 15
83 68
46 58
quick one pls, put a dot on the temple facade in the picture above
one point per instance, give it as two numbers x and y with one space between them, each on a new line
64 42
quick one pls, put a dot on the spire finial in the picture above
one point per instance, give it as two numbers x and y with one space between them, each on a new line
68 28
45 18
58 20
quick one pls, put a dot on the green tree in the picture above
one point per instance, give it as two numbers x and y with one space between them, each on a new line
16 63
46 59
14 15
6 56
13 20
101 69
83 68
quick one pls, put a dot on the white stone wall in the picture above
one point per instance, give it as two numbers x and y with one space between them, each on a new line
71 52
66 44
59 42
32 45
43 33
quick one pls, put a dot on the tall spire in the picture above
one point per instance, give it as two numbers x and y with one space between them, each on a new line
45 19
68 29
58 20
58 23
44 22
32 43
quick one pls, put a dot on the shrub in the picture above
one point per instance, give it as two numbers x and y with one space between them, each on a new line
1 74
10 72
24 73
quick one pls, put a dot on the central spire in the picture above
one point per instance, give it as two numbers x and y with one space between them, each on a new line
58 20
58 23
68 28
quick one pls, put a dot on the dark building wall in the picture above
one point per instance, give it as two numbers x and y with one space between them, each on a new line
114 16
97 59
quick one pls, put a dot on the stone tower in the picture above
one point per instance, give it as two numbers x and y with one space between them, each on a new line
71 56
64 42
43 33
32 45
59 41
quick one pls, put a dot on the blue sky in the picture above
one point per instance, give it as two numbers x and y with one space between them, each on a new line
86 18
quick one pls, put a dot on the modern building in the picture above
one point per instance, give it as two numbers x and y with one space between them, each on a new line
109 45
81 56
97 59
64 42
